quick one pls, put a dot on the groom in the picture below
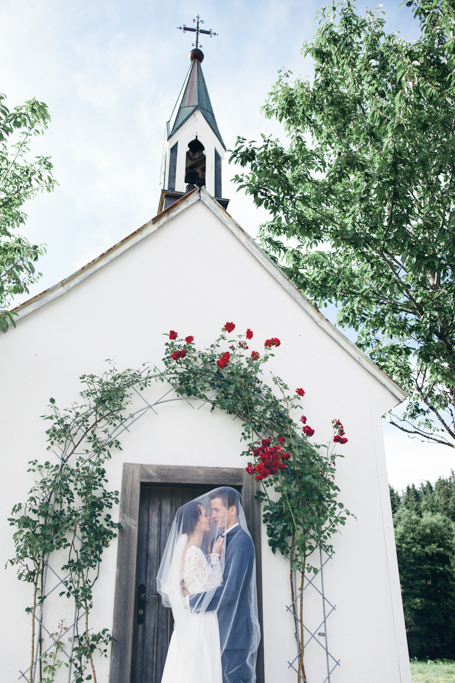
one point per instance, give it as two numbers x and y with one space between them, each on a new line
233 598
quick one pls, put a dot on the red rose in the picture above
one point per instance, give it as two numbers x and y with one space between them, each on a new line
300 392
340 439
261 472
223 360
282 466
308 431
281 440
338 427
229 327
173 335
303 418
255 355
178 354
272 342
249 334
189 339
266 442
285 456
250 468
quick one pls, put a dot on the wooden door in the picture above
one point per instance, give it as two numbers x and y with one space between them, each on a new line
153 623
151 495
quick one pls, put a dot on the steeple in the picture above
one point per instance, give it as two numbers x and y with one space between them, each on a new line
194 95
193 147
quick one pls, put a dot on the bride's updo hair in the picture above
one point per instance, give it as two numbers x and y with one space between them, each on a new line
189 517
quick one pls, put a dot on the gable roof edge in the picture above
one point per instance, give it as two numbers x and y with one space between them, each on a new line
301 299
110 254
275 271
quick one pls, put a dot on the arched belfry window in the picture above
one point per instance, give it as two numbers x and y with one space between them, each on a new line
195 164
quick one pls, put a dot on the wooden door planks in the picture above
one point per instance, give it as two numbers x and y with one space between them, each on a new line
141 522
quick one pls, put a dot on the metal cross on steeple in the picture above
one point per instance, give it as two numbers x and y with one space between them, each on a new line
197 31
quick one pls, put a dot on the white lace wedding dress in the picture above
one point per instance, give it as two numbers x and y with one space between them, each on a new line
194 654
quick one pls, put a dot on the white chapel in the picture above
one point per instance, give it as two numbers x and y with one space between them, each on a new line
191 268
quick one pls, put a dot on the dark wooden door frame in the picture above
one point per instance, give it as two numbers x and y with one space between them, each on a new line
133 476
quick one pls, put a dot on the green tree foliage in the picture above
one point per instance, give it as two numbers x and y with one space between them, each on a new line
438 498
394 499
362 196
424 519
426 549
20 179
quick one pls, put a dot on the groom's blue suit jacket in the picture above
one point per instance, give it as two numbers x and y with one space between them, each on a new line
232 599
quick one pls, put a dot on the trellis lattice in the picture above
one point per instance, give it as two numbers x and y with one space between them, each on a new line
67 652
320 632
66 648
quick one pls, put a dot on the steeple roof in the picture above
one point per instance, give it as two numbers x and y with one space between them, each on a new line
193 96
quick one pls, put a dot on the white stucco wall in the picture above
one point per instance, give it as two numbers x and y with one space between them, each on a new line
192 275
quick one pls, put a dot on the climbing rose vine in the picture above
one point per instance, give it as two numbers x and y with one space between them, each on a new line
304 512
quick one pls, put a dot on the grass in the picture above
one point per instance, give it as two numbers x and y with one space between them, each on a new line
439 671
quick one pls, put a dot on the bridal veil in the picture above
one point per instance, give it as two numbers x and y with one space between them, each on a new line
234 600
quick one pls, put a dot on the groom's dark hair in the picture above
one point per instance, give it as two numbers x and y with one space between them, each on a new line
228 497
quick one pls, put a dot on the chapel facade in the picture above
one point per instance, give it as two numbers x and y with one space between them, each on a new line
118 306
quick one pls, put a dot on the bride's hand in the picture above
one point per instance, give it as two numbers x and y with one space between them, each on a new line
218 545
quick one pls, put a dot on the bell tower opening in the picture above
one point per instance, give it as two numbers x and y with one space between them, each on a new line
195 165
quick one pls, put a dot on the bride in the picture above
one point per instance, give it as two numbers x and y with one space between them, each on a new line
194 654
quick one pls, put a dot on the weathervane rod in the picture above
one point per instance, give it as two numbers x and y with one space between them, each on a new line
197 30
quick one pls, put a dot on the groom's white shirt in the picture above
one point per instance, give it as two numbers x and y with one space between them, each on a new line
187 598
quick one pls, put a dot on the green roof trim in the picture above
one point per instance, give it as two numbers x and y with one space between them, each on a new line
194 95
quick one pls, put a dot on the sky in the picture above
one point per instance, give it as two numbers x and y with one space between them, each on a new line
110 72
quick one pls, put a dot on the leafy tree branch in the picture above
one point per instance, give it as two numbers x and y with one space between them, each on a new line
362 195
20 180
